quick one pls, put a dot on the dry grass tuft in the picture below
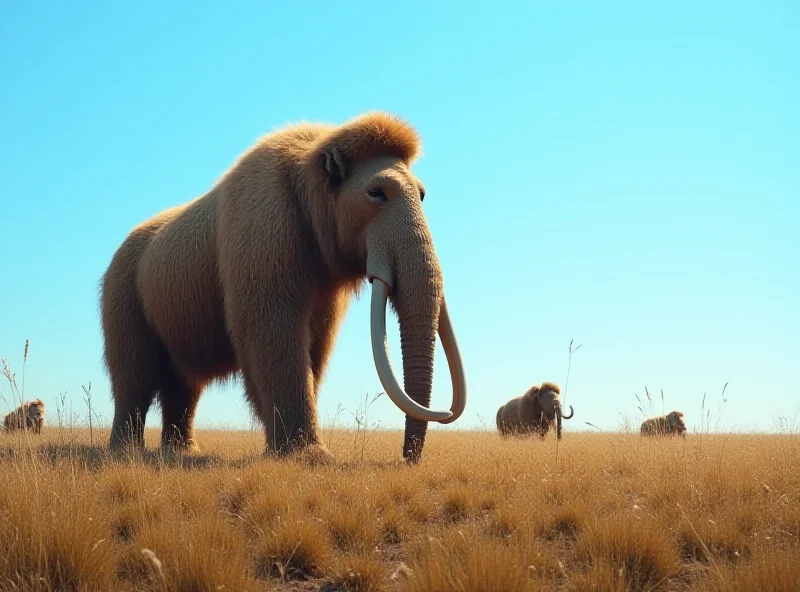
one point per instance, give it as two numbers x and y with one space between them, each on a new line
504 521
457 504
395 526
713 540
353 530
293 550
561 524
419 510
51 537
455 560
768 571
639 555
363 572
199 554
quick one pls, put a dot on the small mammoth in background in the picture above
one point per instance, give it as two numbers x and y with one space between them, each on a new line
669 424
29 415
533 412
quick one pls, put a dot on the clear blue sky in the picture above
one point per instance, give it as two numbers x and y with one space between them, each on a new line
626 175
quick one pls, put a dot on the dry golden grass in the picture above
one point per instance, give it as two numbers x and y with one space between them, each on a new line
618 512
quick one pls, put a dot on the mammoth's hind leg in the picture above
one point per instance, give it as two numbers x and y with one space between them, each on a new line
132 357
133 395
132 351
178 398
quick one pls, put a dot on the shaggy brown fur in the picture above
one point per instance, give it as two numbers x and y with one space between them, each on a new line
531 413
665 425
29 415
256 276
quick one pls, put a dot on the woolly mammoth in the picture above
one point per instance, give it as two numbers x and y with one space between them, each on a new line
255 277
533 412
29 415
669 424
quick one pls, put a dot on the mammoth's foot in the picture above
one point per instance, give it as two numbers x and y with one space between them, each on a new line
412 457
302 445
175 446
312 455
127 430
178 440
126 440
412 450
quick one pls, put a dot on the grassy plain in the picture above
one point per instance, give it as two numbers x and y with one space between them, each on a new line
610 511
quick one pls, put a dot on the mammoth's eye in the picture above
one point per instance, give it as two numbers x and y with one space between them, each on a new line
421 188
377 194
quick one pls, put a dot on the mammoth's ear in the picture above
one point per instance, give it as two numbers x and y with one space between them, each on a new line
334 164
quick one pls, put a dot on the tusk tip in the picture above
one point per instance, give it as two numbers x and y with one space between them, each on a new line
450 418
441 416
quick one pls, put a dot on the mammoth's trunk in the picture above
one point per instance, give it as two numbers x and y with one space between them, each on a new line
408 272
419 323
560 416
558 420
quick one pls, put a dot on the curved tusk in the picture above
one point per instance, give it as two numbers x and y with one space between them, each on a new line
571 413
454 363
380 353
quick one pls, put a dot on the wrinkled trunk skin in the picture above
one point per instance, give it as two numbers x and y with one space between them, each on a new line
418 340
558 420
417 300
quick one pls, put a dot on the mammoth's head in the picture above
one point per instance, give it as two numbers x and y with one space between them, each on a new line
675 422
36 409
382 233
548 396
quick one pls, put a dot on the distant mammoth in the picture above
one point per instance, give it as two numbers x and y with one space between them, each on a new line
533 412
665 425
256 275
29 415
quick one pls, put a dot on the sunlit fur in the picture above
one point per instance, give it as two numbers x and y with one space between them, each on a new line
28 416
670 424
254 276
526 414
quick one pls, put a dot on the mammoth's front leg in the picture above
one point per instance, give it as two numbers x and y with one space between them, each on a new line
277 367
542 427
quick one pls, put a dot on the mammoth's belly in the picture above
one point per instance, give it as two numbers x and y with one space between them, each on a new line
182 301
198 345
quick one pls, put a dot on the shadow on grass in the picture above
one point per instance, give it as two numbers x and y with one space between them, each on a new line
377 466
99 457
334 464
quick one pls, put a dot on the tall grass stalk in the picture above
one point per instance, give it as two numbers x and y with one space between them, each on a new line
566 386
